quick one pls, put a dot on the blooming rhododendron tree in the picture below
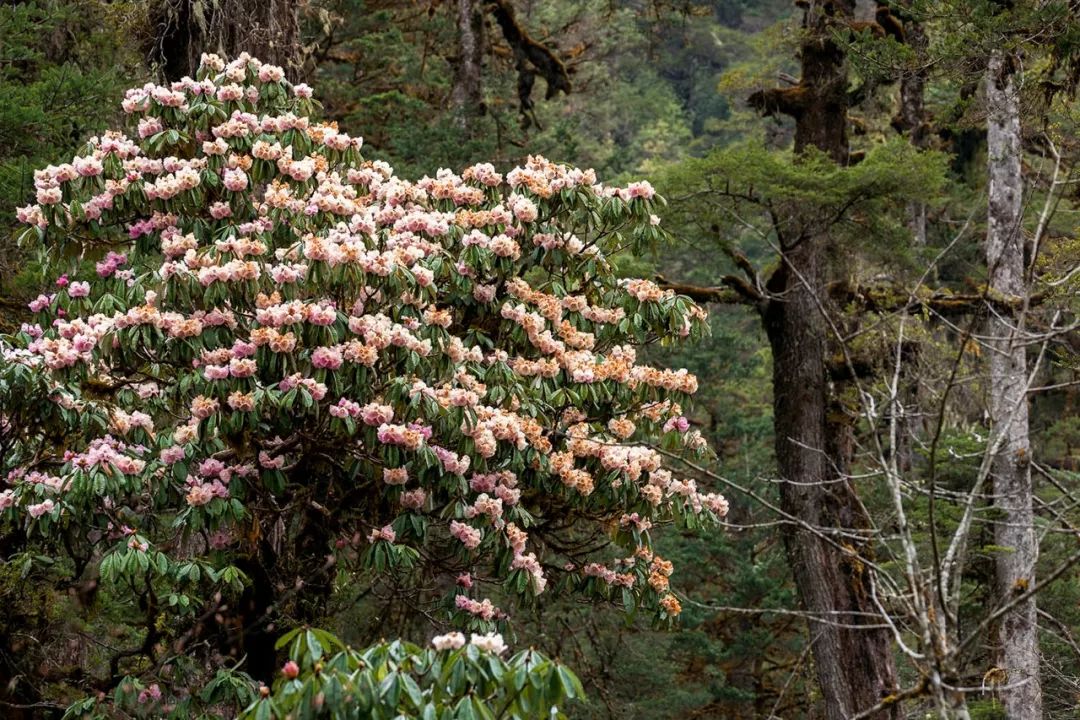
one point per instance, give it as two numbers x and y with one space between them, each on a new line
270 368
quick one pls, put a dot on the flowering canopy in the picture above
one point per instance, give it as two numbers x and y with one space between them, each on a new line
263 346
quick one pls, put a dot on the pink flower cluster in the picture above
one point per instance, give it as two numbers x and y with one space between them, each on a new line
109 452
608 575
403 435
469 536
109 266
212 480
483 609
317 390
502 484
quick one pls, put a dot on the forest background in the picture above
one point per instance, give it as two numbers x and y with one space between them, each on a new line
708 100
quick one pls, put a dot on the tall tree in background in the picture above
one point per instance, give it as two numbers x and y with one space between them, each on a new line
467 94
855 667
1018 634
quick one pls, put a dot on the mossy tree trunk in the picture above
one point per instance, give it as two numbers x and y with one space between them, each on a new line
854 665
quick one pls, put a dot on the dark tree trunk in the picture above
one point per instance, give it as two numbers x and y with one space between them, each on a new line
855 667
182 30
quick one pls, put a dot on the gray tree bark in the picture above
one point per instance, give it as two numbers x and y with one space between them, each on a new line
466 96
1011 470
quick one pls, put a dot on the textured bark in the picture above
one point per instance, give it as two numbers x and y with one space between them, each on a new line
1011 470
182 30
855 667
466 97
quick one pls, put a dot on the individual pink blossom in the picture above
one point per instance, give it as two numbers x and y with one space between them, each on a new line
31 215
326 357
345 408
408 437
79 289
413 499
484 293
150 694
242 402
216 372
111 263
321 315
491 642
235 179
88 166
200 494
271 463
149 126
642 189
230 92
221 539
424 276
203 407
376 414
271 73
242 367
49 196
211 468
241 349
40 302
138 545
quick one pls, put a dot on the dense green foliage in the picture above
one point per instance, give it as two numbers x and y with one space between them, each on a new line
60 75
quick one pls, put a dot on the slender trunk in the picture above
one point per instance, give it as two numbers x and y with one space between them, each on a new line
1011 471
466 97
855 667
